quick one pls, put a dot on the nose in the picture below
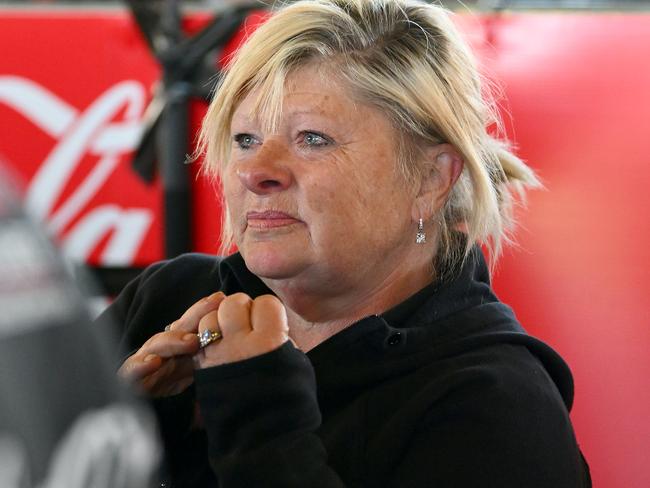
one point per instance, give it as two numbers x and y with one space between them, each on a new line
264 173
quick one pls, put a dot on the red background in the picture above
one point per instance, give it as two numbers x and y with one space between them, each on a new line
577 106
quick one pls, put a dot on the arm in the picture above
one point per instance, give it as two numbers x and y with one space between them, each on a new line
261 415
257 395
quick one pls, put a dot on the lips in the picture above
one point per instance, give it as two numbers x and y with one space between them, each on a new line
270 219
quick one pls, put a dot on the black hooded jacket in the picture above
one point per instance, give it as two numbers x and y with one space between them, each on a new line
444 390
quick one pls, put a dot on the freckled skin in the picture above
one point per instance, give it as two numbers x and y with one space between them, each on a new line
355 232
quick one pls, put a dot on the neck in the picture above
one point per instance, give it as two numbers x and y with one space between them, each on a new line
315 316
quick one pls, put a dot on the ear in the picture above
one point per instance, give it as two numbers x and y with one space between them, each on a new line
443 165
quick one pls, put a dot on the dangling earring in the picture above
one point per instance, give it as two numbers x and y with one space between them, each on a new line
420 237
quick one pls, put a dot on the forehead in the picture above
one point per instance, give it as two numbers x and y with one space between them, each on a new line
308 90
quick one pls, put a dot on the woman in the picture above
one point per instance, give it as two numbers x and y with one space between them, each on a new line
354 339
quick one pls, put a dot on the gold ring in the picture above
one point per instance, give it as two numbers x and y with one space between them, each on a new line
207 337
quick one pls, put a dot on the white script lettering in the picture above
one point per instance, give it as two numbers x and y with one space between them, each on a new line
79 133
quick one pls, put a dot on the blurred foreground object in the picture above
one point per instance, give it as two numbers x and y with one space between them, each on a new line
64 419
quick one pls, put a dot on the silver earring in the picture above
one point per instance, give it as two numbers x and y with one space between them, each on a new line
420 237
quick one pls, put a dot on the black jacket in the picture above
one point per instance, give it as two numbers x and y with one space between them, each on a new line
445 390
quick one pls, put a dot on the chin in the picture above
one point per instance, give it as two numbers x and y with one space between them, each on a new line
271 263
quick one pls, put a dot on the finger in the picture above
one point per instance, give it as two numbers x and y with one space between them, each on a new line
234 314
269 315
169 344
173 377
209 322
189 321
136 367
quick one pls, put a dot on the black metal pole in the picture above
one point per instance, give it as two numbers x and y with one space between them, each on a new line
173 144
173 139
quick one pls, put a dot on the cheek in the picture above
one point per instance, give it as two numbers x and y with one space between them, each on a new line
330 211
320 198
373 191
343 188
233 196
339 207
227 182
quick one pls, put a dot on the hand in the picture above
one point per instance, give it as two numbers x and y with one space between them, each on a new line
248 327
163 365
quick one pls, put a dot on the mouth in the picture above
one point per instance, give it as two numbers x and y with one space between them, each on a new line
270 219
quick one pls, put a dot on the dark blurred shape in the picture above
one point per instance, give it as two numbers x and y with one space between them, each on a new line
188 64
65 421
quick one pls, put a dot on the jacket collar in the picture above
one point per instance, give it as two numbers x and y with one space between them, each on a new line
404 323
448 317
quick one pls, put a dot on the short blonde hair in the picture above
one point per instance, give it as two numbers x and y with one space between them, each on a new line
406 58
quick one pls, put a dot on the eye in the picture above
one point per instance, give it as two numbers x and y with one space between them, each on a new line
314 139
245 141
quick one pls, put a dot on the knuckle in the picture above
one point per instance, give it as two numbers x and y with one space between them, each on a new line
210 301
181 323
271 307
208 320
149 345
156 338
234 305
235 302
268 300
239 298
193 314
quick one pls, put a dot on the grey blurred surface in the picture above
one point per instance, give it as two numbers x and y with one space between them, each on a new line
65 420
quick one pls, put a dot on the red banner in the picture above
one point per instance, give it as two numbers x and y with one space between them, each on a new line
74 84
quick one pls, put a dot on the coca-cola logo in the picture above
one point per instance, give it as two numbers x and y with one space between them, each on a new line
78 133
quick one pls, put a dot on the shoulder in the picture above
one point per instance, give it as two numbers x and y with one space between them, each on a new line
488 416
192 269
160 294
508 375
503 380
185 277
498 409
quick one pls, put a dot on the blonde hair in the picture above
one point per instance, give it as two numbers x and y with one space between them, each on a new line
406 58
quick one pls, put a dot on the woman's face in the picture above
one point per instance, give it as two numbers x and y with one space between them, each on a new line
319 202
